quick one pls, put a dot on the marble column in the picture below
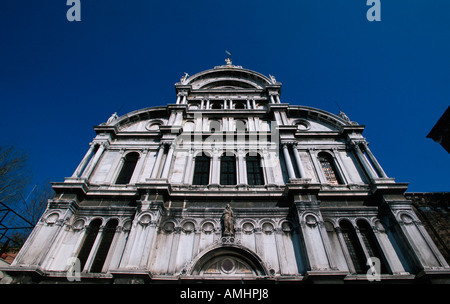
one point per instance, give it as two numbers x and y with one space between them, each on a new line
187 171
299 163
370 172
271 98
87 173
374 161
85 160
157 163
288 161
215 168
241 167
168 161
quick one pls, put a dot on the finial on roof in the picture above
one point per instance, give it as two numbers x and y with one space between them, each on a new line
229 61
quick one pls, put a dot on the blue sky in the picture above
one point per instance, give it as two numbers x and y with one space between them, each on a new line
58 78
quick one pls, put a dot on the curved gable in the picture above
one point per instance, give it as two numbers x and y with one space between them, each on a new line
141 120
224 77
312 119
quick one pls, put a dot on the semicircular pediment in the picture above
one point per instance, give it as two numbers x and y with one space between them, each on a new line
229 83
312 119
228 77
228 261
146 119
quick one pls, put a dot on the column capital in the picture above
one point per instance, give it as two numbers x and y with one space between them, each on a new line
166 143
355 145
182 93
241 151
103 143
289 143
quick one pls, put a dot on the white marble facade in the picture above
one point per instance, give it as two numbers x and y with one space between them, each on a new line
310 200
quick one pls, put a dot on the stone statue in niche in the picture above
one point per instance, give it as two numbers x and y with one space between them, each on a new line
228 221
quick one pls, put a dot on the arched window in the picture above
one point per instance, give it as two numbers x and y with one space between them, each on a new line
128 168
216 105
239 105
89 239
189 126
214 126
102 252
228 170
201 169
255 174
329 169
241 125
371 243
354 247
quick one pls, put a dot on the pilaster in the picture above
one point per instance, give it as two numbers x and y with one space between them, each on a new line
138 247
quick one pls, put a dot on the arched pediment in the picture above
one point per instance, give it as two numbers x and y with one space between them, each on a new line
141 120
228 78
312 119
227 262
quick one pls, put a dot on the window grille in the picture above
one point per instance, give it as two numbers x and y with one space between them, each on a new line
201 170
353 247
254 171
228 170
328 169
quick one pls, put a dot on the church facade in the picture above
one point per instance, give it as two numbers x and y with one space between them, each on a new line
229 183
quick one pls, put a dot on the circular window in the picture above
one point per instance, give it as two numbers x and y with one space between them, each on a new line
248 228
302 125
188 227
169 227
52 218
310 219
227 265
78 224
145 219
267 228
208 228
153 125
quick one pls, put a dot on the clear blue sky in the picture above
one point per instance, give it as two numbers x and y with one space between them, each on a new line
58 78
